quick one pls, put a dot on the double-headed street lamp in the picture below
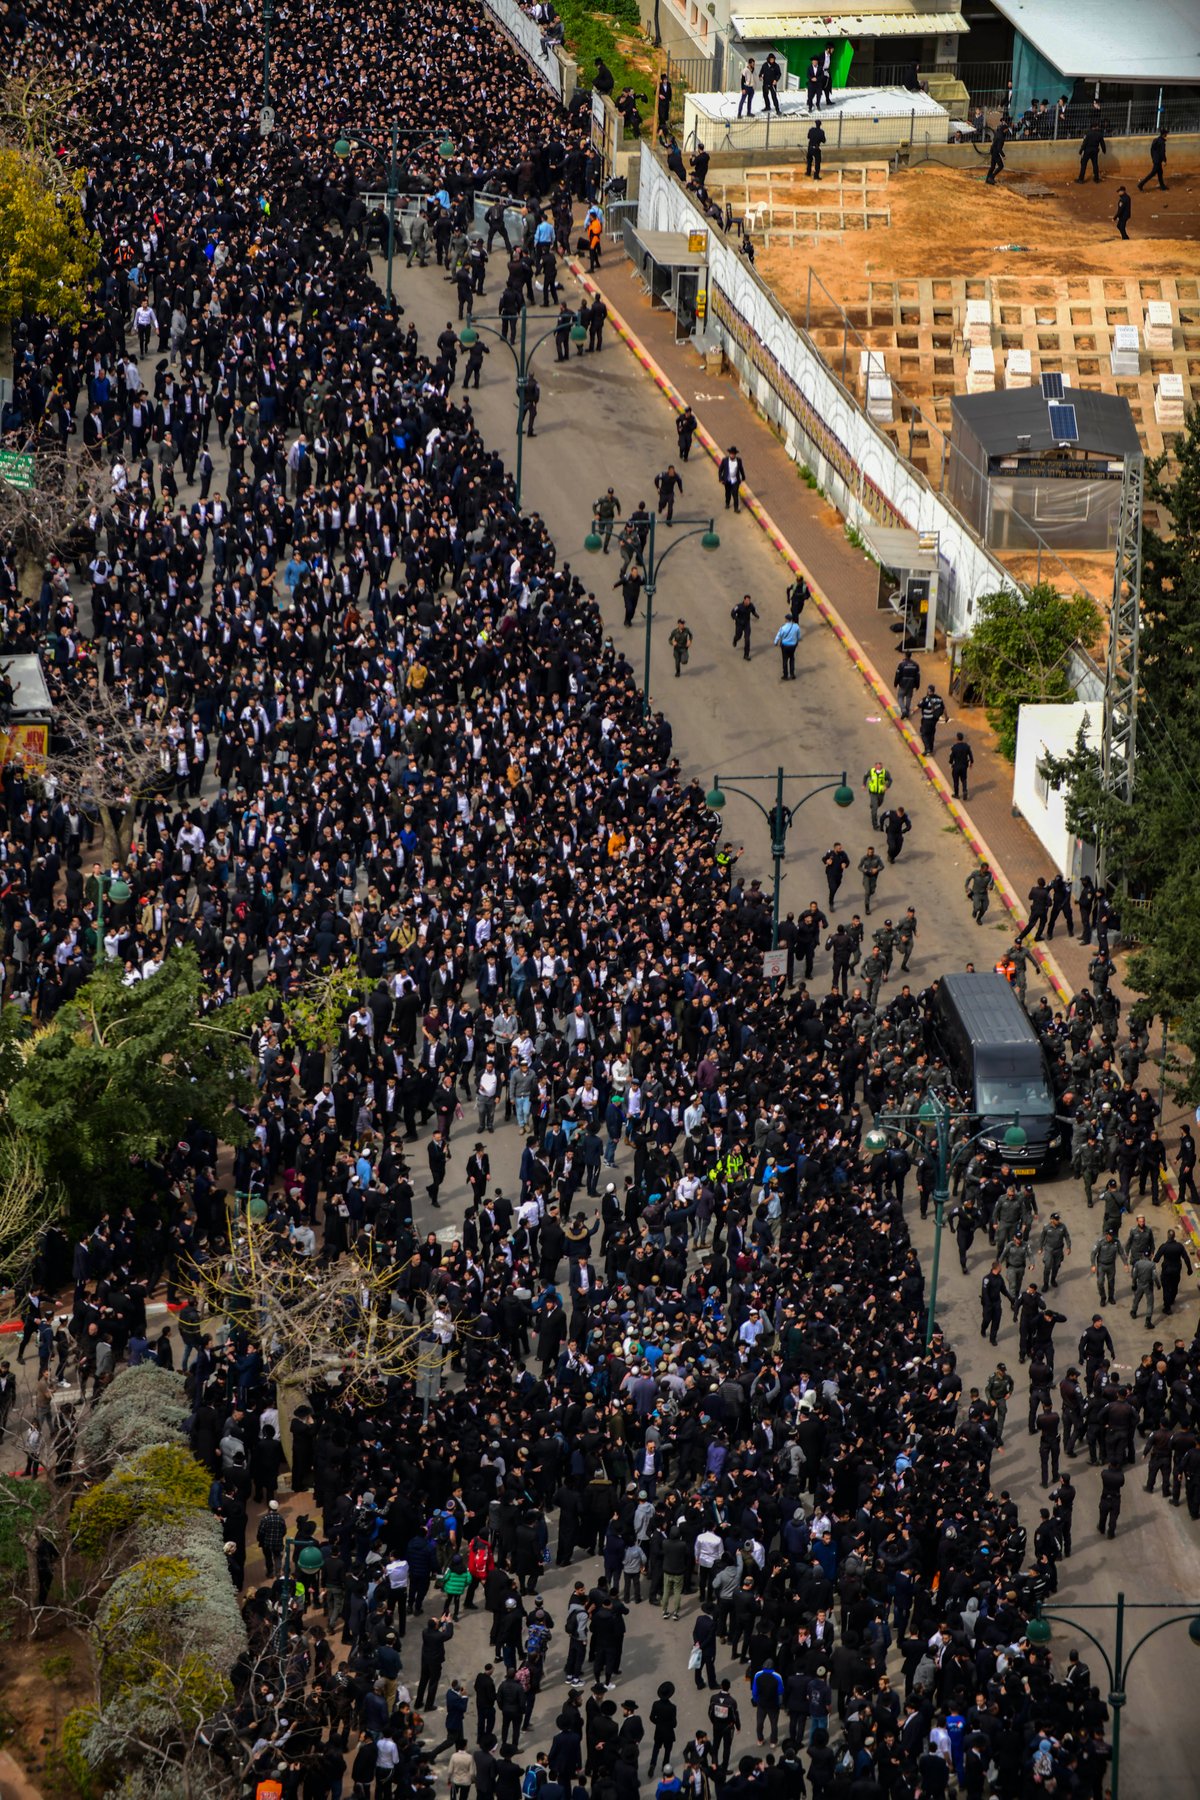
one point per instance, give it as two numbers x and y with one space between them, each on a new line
933 1111
779 817
704 529
266 115
1117 1665
522 356
351 140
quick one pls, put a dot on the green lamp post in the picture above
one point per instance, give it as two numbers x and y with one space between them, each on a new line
349 141
118 891
933 1111
522 356
779 817
1117 1665
652 562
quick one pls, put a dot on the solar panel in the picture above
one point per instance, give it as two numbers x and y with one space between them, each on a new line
1063 426
1052 387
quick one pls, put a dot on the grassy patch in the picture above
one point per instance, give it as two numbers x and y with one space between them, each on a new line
591 32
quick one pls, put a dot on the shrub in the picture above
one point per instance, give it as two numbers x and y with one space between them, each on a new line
76 1729
157 1487
140 1407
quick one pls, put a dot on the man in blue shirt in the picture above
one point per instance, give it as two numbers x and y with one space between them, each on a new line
766 1691
787 637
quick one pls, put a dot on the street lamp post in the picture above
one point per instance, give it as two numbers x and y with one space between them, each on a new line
704 529
780 818
522 356
1117 1665
118 890
934 1111
346 144
266 116
285 1601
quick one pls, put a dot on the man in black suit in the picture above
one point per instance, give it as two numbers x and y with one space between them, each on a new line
1158 157
731 474
812 160
439 1156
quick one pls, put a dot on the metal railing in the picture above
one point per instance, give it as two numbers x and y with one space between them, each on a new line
615 215
694 74
917 134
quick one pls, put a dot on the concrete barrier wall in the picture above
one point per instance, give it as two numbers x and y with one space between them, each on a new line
819 420
553 67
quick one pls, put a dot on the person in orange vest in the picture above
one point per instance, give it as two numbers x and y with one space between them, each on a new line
594 232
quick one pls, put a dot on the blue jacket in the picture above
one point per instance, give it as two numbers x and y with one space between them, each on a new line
767 1688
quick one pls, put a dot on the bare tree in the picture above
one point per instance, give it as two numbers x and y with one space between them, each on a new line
37 111
108 759
26 1205
50 518
340 1322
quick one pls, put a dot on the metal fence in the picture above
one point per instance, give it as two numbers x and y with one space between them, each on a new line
696 74
615 215
916 135
1120 118
1126 114
990 81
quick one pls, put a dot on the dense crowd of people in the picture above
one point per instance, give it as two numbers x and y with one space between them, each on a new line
397 738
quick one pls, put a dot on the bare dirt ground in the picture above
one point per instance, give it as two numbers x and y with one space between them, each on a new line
946 222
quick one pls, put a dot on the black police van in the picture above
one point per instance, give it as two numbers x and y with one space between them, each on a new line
980 1030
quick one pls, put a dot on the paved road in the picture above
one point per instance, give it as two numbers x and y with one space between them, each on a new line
602 421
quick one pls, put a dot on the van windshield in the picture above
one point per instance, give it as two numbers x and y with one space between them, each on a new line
1013 1094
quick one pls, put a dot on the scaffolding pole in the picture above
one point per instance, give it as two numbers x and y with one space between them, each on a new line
1118 750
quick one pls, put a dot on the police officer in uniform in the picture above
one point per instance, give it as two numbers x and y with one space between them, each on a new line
607 510
877 781
992 1290
1070 1399
1112 1480
932 712
870 867
1049 1427
1055 1243
979 885
742 614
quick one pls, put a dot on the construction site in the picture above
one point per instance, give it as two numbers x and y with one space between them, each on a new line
920 283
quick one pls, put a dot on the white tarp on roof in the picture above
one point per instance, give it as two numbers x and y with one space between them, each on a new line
759 27
1111 40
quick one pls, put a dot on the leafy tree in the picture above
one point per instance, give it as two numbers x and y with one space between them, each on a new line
1017 653
1168 668
120 1072
47 253
1150 846
316 1013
